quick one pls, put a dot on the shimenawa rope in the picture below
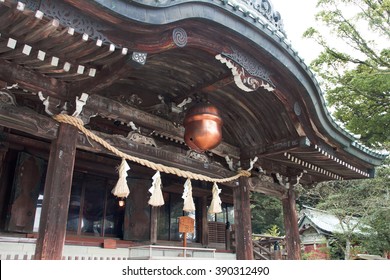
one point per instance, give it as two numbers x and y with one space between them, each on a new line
78 123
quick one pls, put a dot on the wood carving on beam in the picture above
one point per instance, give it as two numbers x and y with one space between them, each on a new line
248 74
198 156
141 139
6 98
72 17
266 185
27 120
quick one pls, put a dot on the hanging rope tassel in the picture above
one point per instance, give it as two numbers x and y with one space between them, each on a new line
215 205
189 205
121 188
156 199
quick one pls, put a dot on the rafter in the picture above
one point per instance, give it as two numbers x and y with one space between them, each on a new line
31 80
106 77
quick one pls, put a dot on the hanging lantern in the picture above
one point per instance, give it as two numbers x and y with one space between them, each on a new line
203 127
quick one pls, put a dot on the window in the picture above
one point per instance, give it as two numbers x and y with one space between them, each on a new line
227 215
93 210
168 227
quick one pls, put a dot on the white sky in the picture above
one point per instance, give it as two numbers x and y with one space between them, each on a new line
297 16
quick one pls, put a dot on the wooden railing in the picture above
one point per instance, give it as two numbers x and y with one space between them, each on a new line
268 247
260 252
7 256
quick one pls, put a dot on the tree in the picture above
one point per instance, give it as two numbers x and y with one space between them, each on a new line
362 208
379 221
355 73
267 213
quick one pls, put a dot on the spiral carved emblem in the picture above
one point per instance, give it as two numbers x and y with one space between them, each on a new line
297 109
179 36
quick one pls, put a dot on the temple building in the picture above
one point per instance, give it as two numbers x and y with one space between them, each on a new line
191 104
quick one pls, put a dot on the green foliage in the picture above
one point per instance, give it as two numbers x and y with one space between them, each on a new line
266 213
380 241
338 243
379 220
355 73
368 200
273 231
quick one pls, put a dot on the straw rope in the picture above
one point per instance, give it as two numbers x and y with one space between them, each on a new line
78 123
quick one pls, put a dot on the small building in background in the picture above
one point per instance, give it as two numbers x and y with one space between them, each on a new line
316 227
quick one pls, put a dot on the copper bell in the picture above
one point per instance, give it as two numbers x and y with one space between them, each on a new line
203 127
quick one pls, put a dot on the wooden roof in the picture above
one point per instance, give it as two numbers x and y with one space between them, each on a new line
140 62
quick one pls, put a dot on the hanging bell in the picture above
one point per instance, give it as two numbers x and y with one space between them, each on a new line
203 127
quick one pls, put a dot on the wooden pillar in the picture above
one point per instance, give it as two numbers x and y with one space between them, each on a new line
154 224
52 227
291 226
3 149
4 177
205 223
242 220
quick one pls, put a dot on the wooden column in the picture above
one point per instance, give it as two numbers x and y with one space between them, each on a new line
4 177
154 224
291 226
242 220
3 149
205 223
52 227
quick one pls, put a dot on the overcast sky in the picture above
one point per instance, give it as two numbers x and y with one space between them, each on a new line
298 15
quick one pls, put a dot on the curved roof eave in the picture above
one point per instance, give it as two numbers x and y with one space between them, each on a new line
173 11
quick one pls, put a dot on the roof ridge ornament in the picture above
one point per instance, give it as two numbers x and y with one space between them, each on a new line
265 8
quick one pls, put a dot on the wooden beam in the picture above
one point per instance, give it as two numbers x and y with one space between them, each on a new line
157 155
125 113
28 121
56 197
243 222
268 188
276 147
291 226
30 80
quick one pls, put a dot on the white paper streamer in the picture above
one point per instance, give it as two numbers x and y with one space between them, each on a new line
189 205
215 205
121 188
156 199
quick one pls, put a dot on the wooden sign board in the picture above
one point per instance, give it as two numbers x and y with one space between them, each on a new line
186 224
